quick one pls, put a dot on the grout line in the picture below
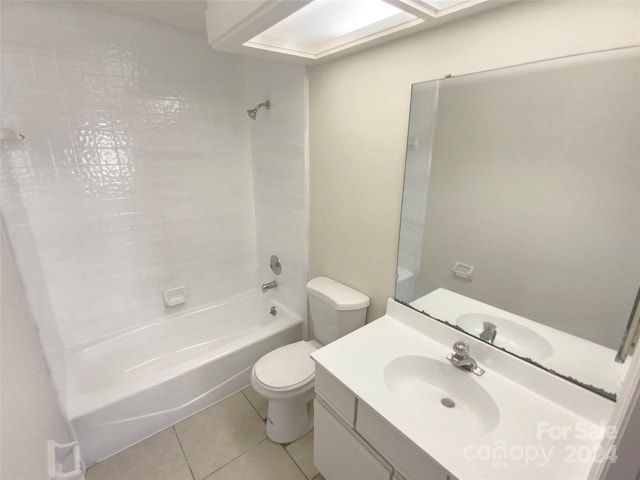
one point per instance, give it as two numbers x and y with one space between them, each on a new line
294 460
253 406
235 458
183 452
245 451
230 461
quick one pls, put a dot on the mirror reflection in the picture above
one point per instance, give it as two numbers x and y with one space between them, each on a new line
520 219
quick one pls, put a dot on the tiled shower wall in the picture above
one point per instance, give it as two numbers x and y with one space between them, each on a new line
278 153
424 100
136 174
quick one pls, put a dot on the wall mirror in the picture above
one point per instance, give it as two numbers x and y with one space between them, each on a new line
520 216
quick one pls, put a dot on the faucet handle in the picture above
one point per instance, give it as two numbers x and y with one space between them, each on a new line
489 327
461 349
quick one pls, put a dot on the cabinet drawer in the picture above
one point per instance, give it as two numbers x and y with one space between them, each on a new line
339 454
404 455
335 394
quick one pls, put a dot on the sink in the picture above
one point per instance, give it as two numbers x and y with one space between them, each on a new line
447 397
511 336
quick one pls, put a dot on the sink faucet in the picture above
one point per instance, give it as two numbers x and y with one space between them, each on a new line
489 332
269 285
461 359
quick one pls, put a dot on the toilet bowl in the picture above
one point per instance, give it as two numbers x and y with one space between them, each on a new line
285 375
285 378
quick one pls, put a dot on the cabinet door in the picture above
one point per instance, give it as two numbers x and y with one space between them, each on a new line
339 454
408 460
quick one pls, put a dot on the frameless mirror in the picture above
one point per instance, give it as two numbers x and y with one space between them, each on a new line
520 216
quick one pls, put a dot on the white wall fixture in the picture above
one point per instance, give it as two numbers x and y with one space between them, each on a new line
61 454
463 270
175 296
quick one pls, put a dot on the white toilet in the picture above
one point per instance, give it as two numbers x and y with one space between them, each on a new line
285 375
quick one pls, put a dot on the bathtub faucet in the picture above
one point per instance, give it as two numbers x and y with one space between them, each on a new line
269 285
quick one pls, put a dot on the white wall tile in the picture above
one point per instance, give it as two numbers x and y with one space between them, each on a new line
279 169
139 172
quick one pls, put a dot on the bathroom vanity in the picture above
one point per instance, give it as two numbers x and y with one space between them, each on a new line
389 405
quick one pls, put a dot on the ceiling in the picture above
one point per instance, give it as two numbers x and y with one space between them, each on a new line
185 14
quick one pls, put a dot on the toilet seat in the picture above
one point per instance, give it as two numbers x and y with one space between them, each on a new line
287 368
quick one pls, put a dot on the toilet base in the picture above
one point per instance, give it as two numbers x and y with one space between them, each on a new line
290 419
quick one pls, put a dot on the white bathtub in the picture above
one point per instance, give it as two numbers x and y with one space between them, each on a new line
125 388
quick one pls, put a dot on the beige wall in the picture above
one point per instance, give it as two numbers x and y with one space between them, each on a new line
29 413
358 115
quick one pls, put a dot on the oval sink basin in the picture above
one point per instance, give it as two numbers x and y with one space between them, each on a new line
446 396
510 335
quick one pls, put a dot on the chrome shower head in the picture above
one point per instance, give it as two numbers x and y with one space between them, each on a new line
254 111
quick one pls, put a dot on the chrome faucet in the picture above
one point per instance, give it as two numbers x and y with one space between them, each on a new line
269 285
489 332
461 359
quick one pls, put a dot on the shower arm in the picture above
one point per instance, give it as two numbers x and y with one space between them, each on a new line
254 111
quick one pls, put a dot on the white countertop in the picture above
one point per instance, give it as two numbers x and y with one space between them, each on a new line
548 428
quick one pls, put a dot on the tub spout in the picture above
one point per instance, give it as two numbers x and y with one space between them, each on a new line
269 285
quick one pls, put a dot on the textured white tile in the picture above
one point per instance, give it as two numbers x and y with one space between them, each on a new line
142 159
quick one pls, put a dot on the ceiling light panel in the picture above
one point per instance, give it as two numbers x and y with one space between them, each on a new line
443 4
436 8
324 25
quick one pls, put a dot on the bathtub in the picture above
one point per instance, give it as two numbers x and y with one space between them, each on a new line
125 388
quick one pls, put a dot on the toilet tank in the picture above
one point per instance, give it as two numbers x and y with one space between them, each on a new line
335 309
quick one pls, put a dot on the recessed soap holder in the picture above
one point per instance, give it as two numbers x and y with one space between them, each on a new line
175 296
61 454
463 270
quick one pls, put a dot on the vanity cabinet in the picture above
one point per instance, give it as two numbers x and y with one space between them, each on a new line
340 454
408 460
352 441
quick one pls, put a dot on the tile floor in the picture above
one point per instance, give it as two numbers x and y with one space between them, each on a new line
227 441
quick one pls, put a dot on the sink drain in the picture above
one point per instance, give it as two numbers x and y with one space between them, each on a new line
447 402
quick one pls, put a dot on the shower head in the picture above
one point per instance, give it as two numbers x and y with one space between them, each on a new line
254 111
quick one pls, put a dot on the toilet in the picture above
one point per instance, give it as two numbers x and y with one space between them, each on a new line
285 375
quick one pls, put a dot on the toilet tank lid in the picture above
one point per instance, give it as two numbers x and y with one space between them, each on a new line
336 294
